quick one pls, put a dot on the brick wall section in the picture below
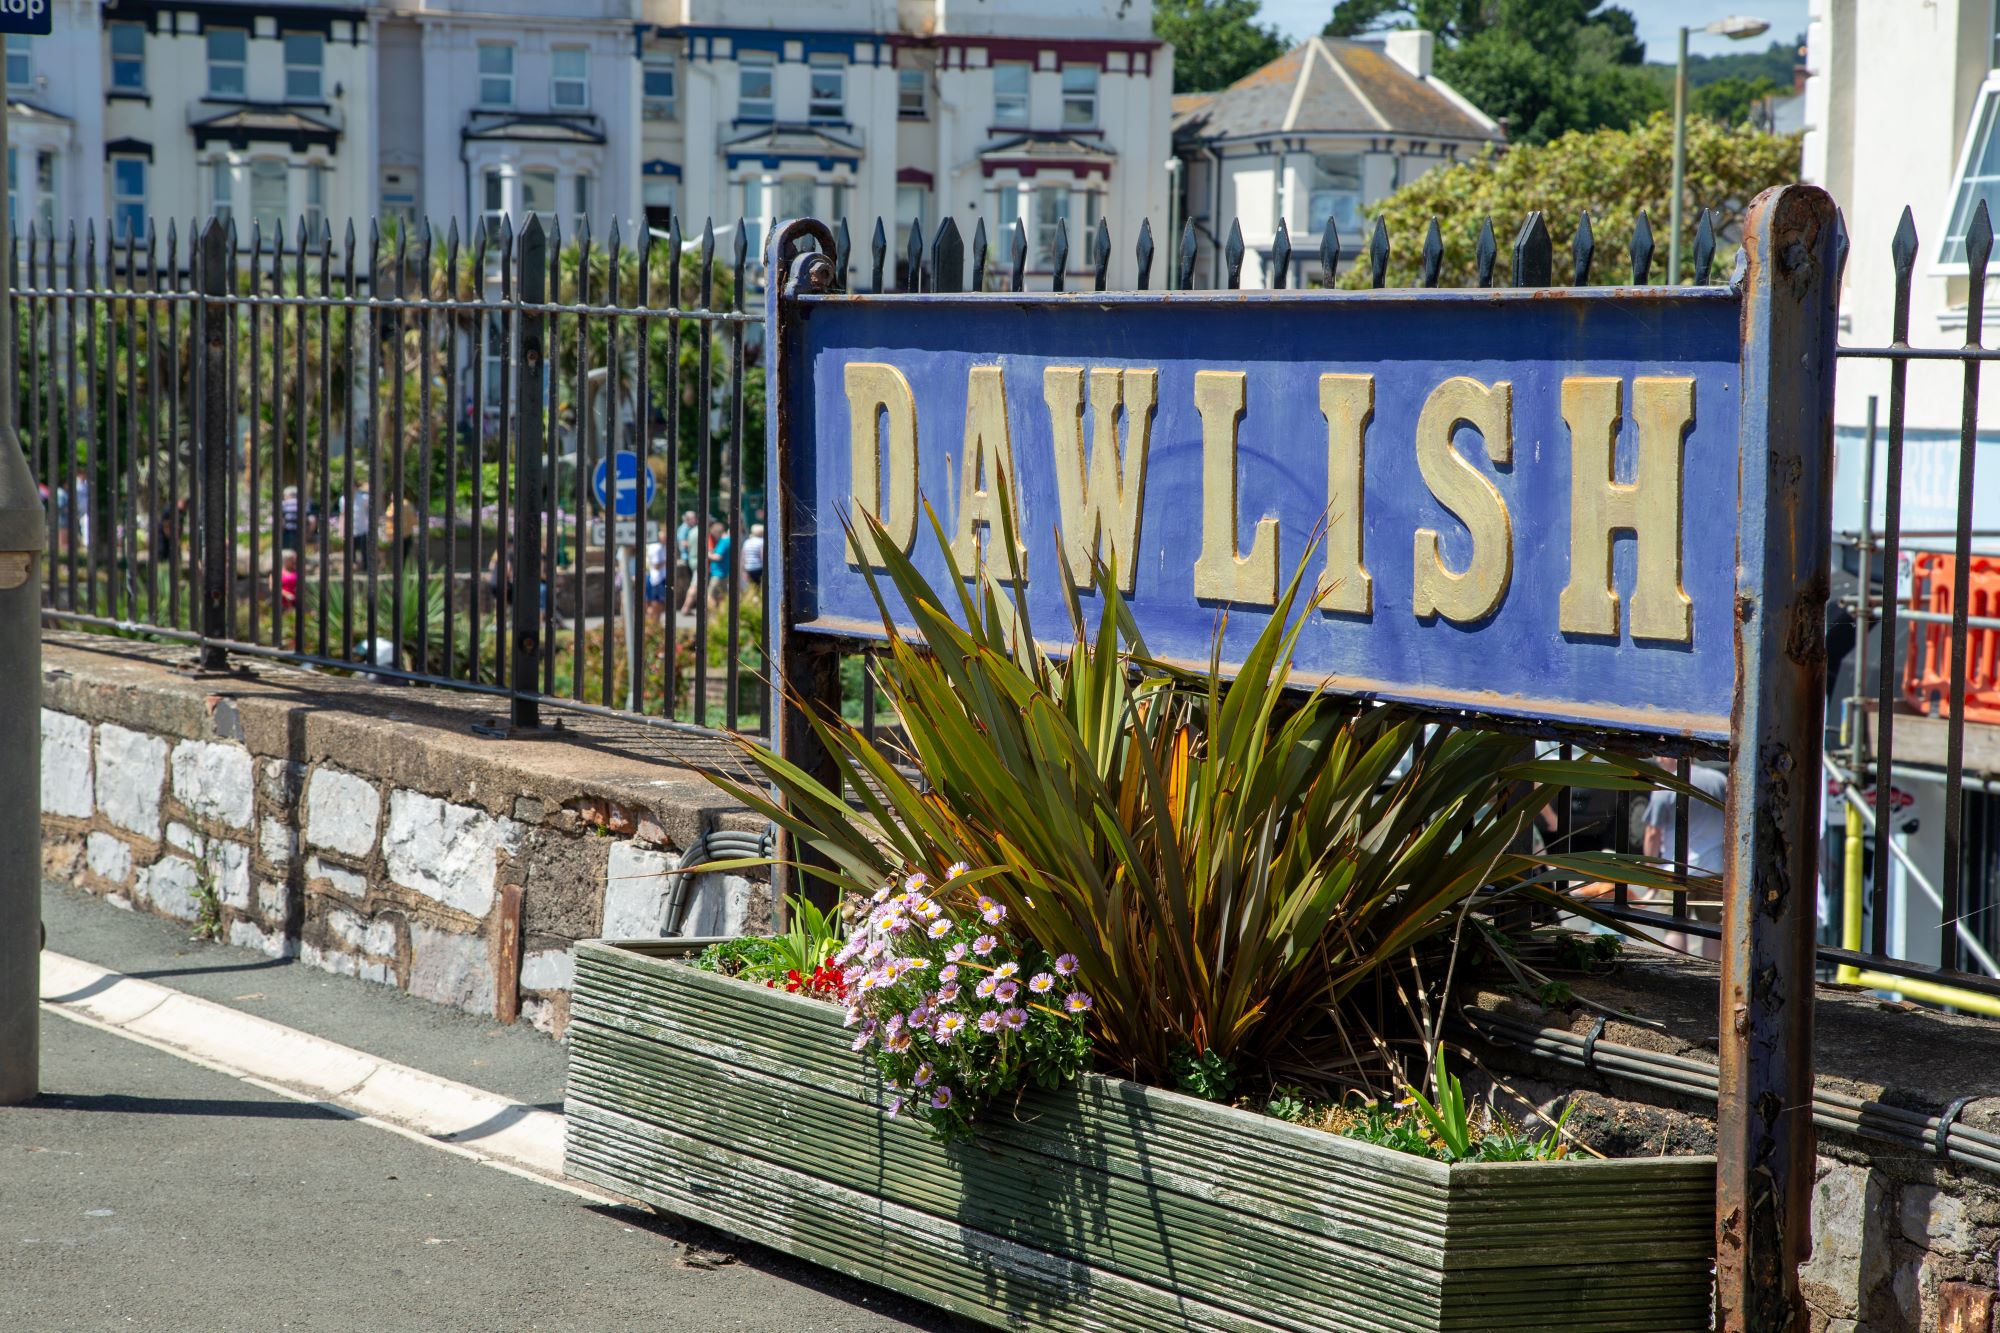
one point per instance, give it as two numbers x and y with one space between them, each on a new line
1901 1241
367 830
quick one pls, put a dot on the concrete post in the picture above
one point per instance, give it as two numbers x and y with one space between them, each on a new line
21 537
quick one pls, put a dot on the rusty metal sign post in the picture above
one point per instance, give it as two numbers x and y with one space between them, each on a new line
1583 512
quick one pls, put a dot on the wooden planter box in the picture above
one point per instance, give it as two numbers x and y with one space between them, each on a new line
1108 1205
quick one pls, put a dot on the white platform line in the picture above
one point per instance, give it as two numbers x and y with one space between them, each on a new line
455 1117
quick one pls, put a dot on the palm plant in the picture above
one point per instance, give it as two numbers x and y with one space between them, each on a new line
1231 864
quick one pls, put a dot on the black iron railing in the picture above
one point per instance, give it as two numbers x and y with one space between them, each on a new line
401 436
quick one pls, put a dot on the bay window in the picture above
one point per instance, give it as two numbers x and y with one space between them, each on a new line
128 196
1335 194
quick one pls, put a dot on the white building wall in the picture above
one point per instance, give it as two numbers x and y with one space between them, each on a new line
181 181
402 85
1890 100
455 167
61 112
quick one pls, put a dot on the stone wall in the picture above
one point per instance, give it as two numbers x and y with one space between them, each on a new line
369 830
1901 1241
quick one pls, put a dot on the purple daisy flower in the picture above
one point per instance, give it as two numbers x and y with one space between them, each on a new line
1077 1002
1042 983
948 1027
985 944
955 952
922 1076
1006 970
941 1098
1015 1019
986 987
1066 965
947 993
939 929
948 973
1005 992
994 915
989 1021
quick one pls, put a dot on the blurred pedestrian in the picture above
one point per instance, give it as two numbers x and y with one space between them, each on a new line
753 557
721 562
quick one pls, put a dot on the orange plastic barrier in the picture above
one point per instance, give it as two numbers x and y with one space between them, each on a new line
1927 667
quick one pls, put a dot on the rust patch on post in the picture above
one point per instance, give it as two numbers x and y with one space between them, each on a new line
507 955
1965 1308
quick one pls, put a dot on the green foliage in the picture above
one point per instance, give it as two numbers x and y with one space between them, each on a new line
1731 101
671 348
1773 65
1447 1118
1216 42
1579 952
1203 1074
1407 1127
1612 173
812 937
1540 67
1227 868
653 658
414 622
751 957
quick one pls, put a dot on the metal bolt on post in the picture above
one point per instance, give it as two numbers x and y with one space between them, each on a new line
21 537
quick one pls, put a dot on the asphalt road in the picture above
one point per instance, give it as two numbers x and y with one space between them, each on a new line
143 1191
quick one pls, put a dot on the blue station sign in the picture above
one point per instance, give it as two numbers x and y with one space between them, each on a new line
1526 503
27 18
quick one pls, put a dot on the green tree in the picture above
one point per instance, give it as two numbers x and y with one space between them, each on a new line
1540 67
1731 100
1612 173
1216 42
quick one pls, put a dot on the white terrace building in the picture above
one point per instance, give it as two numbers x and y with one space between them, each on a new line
507 108
55 127
259 113
1316 135
1036 112
1033 111
1903 107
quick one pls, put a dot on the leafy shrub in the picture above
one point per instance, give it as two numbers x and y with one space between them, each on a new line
1230 863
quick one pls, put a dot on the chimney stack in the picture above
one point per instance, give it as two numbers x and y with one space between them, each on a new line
1411 48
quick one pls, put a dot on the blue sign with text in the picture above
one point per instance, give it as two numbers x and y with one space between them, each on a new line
27 18
1517 503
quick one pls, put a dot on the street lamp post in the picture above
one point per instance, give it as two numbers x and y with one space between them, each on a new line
1737 29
